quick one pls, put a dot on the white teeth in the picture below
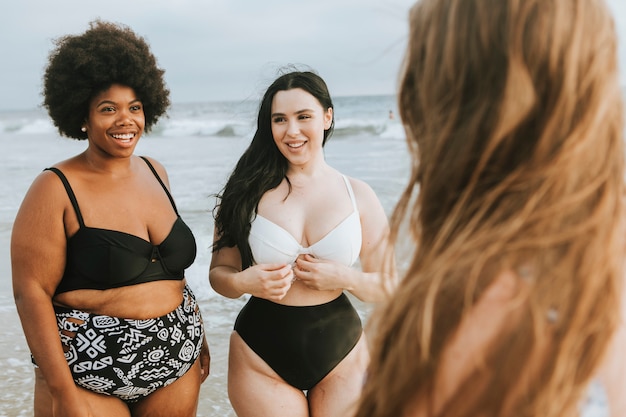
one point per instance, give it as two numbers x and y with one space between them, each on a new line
126 136
296 145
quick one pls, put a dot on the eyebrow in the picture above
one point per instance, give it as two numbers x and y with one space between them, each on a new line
133 101
298 112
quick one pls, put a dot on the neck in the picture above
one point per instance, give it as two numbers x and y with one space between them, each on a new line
110 165
302 175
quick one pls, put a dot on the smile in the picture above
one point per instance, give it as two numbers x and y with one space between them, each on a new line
296 145
124 137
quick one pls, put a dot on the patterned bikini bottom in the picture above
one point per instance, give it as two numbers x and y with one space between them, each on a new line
127 358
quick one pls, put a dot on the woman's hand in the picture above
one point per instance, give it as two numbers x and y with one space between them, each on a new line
268 281
320 274
205 360
71 405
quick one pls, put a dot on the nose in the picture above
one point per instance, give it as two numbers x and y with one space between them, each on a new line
293 128
123 117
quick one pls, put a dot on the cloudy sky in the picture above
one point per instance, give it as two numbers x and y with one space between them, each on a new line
225 49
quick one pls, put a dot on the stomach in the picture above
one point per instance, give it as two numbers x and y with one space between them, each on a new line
301 295
141 302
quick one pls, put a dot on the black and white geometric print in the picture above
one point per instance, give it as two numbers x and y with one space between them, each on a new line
130 358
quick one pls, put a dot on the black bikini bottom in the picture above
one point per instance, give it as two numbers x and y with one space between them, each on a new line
302 344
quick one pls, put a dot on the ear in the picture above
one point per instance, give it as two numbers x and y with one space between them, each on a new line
328 118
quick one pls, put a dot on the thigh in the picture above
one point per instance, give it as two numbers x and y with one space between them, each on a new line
179 399
255 390
101 405
338 393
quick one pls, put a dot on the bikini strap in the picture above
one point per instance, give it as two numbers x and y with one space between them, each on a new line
352 197
70 194
161 182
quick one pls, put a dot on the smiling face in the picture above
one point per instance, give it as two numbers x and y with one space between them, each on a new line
298 123
116 121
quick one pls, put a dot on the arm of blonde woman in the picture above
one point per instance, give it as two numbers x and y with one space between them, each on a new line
38 245
613 372
464 354
269 281
377 276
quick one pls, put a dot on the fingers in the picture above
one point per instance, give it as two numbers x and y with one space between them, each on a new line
275 281
205 361
283 268
307 258
303 264
279 274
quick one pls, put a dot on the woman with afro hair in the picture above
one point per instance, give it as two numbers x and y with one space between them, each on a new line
99 250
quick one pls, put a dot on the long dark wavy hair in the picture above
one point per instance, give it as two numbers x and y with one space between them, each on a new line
261 167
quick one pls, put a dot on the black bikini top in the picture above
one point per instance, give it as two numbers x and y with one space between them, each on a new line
101 259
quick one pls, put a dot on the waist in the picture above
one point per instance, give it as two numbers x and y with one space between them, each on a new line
266 308
301 295
141 301
102 279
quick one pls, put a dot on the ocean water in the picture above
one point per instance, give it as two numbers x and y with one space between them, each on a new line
199 144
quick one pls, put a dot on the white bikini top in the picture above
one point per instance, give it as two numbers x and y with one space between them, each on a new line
270 243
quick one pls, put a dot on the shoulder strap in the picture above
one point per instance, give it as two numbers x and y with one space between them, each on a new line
351 192
160 182
70 194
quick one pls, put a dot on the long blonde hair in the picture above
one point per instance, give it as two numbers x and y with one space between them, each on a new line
514 120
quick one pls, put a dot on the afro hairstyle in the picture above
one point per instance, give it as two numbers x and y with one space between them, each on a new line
82 66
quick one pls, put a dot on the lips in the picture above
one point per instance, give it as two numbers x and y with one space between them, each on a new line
296 145
124 137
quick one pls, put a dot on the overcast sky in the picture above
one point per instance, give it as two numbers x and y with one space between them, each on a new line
225 49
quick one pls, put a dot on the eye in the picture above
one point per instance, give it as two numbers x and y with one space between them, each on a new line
304 116
135 108
107 109
278 119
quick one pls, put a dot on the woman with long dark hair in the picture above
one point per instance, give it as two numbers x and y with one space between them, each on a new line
288 229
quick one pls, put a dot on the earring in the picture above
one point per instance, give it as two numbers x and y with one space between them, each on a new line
84 129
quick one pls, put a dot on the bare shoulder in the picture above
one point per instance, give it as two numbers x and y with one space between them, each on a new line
38 237
158 167
46 188
156 164
363 192
369 205
41 211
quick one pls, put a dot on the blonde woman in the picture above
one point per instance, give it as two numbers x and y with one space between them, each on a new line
510 303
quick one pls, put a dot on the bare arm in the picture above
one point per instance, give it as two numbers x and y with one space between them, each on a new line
160 169
466 350
378 277
38 245
613 371
205 353
225 265
269 281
